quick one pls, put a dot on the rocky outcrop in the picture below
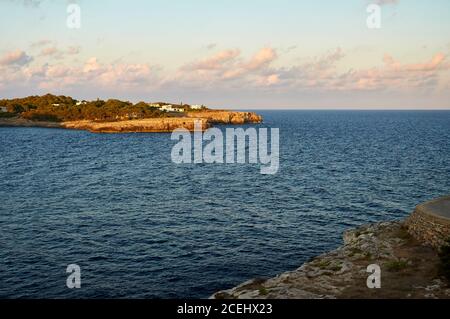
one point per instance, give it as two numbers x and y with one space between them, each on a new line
227 117
408 270
151 125
145 125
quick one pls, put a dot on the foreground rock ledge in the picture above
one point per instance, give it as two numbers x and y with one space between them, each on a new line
409 270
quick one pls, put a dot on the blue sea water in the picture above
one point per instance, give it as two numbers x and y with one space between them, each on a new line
140 226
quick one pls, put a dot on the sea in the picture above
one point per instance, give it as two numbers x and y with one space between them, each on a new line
140 226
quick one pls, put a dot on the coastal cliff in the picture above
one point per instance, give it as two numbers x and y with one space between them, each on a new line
158 125
410 266
148 125
162 125
227 117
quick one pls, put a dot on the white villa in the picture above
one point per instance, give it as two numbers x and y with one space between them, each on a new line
170 108
196 107
3 109
81 103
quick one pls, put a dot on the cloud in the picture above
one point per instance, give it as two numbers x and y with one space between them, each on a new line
397 76
55 53
73 50
434 64
93 73
230 73
90 77
325 62
215 62
49 51
317 80
264 57
316 74
40 43
15 58
227 66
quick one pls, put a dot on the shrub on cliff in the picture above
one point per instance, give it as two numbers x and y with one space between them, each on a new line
444 255
40 117
6 115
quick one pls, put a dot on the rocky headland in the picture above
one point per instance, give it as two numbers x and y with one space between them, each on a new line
227 117
113 115
148 125
407 252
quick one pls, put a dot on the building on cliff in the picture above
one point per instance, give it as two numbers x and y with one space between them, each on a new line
171 108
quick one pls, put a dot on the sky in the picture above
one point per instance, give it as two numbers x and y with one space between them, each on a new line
249 54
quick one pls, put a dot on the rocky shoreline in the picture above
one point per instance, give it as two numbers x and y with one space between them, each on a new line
409 269
227 117
149 125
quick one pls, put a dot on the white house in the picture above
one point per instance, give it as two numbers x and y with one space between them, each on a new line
81 103
154 105
196 107
3 109
170 108
166 108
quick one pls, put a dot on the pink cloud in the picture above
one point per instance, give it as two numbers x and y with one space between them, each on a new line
263 58
215 62
72 50
431 65
227 67
49 51
54 52
395 76
18 58
92 74
230 71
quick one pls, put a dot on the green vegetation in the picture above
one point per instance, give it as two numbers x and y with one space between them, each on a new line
62 108
263 291
323 264
444 255
396 265
368 255
336 268
6 115
354 251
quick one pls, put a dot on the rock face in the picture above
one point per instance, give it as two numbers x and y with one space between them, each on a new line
408 270
145 125
227 117
151 125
